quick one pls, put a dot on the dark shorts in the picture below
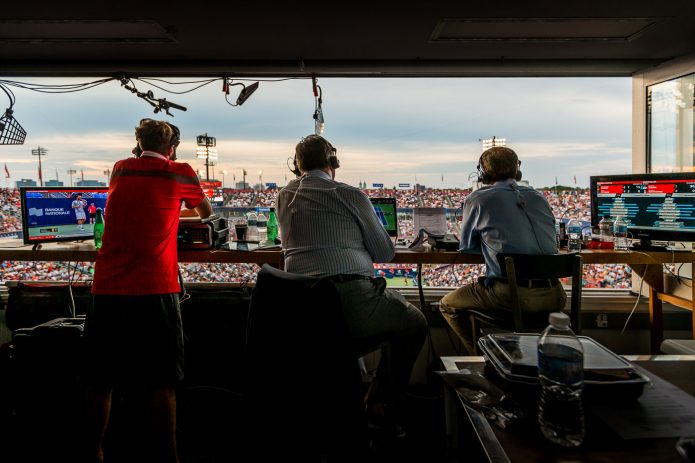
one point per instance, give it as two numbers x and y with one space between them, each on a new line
134 341
92 215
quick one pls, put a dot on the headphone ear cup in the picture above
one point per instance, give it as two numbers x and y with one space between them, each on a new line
334 162
517 177
482 176
295 171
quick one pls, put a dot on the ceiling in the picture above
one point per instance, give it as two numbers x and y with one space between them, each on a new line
343 38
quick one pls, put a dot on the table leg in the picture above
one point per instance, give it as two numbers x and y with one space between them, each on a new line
653 275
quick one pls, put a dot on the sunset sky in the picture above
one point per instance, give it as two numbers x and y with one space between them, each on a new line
386 131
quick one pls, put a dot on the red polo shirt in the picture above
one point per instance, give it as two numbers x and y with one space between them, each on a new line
138 255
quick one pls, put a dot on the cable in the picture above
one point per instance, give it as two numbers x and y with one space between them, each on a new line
639 295
172 91
663 265
73 309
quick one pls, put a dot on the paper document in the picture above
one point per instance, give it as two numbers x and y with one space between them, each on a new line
431 219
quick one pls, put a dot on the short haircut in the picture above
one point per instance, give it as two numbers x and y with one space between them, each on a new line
312 152
499 163
154 135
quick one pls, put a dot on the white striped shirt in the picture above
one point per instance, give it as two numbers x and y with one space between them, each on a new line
329 228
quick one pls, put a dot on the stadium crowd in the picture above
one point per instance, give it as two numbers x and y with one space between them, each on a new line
565 203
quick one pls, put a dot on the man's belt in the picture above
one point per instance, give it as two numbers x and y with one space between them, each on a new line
525 283
347 277
534 284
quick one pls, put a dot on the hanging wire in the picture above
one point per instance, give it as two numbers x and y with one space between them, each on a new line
56 88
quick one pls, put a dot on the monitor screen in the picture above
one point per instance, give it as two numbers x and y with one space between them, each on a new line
656 206
52 214
385 209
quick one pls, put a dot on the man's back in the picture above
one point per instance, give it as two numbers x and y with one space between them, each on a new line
143 210
329 228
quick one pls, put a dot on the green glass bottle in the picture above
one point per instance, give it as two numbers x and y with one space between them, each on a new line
272 227
99 228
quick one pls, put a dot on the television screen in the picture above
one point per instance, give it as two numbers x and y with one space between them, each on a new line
656 206
52 214
385 209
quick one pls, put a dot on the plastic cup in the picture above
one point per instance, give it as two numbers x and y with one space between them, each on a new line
240 228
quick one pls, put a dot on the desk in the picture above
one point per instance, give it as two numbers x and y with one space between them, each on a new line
525 443
646 264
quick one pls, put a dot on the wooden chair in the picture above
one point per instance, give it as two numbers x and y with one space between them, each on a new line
532 267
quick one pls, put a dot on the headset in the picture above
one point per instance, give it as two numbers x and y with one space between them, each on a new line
173 141
329 151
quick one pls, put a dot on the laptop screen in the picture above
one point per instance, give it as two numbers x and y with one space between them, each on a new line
385 209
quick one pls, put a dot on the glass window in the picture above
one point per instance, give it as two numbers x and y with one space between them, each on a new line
671 138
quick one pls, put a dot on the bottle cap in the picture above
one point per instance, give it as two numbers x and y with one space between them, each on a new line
559 319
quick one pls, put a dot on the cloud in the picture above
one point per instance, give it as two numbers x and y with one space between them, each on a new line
386 130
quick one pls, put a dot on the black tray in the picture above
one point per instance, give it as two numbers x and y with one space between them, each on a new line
514 357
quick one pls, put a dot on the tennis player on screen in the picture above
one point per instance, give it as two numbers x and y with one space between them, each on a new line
78 205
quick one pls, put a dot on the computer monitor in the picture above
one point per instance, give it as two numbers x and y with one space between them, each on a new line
657 207
51 214
385 209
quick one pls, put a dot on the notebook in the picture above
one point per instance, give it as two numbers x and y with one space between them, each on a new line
385 209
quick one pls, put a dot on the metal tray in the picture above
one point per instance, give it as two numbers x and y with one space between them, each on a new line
606 375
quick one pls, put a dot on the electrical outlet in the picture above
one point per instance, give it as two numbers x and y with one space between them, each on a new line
602 320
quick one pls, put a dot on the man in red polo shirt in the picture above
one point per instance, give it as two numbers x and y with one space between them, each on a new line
133 331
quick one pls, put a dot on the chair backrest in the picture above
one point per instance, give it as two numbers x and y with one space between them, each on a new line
302 371
533 267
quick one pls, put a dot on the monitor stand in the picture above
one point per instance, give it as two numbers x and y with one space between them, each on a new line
645 244
36 247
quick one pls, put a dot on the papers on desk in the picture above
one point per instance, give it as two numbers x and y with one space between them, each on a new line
430 219
663 410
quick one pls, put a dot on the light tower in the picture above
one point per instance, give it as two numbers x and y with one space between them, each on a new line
492 142
40 152
71 172
206 151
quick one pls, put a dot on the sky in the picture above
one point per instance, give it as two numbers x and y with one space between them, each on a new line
388 130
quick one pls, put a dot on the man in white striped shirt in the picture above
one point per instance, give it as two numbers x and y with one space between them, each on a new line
329 229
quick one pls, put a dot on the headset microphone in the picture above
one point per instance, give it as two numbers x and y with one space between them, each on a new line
295 169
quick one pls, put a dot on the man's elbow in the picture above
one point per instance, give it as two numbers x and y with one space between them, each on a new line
204 209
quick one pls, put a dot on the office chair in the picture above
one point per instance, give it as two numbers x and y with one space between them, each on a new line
303 380
532 267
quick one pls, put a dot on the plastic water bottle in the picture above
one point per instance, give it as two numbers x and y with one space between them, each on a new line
262 224
620 234
252 232
561 373
272 226
99 228
574 232
606 230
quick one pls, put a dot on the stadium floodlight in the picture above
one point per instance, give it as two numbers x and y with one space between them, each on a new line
492 142
40 152
205 151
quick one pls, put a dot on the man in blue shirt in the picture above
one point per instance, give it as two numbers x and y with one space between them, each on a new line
502 217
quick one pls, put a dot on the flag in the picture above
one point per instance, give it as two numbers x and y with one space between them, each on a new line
575 179
7 171
244 171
